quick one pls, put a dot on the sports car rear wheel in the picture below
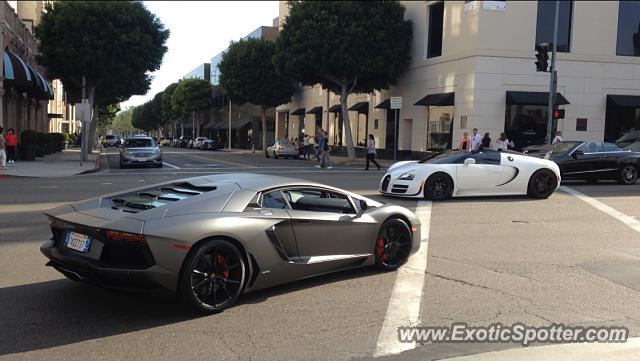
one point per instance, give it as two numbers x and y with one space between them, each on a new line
438 187
212 277
393 244
628 174
542 184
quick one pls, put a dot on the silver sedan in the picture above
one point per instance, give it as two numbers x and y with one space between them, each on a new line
140 151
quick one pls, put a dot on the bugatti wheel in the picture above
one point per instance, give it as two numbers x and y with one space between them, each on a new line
438 187
542 184
393 244
628 174
212 276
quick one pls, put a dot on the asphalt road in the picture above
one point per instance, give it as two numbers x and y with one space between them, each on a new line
506 260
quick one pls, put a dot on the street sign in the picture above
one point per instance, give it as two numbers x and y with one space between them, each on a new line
83 112
396 102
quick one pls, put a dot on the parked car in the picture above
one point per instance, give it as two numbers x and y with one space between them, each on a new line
457 173
198 142
211 239
634 147
211 144
140 151
111 140
594 161
183 142
631 137
281 148
165 141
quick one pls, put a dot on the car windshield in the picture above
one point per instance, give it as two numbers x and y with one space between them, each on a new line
563 147
110 136
138 143
449 157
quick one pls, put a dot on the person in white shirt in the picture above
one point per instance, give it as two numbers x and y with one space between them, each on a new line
503 142
476 140
558 138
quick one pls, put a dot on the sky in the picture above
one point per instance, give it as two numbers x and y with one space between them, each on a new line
199 31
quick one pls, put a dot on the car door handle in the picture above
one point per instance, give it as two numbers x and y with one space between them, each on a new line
303 221
266 212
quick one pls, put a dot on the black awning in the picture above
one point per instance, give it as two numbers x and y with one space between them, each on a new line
239 124
282 110
315 110
625 101
385 104
440 99
16 73
361 107
335 108
299 111
534 98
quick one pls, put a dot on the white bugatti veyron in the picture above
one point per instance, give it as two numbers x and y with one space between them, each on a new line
458 173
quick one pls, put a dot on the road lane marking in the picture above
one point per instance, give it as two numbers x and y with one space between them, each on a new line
171 165
48 187
406 297
221 161
221 171
29 207
628 220
106 183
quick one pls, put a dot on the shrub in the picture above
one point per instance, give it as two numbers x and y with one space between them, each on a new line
29 137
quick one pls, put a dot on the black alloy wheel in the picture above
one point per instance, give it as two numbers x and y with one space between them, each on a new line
628 174
393 244
438 187
212 277
542 184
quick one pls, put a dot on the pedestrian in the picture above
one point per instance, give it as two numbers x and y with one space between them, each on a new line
486 142
557 138
476 140
326 149
317 140
465 142
12 144
306 145
3 154
503 142
371 152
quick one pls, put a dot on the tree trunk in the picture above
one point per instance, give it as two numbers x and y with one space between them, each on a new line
90 138
344 94
263 114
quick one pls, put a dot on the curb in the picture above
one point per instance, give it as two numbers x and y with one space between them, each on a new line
98 164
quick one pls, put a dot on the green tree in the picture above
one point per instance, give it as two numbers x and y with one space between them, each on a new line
346 46
122 122
190 96
167 109
113 44
248 74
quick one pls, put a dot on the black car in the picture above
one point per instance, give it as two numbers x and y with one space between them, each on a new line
594 161
183 142
211 144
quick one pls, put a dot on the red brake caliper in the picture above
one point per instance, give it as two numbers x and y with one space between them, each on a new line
225 273
380 250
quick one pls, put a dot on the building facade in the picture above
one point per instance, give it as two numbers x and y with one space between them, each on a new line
473 67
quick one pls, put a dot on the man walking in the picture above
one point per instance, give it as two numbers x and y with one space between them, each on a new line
307 147
326 160
476 140
319 146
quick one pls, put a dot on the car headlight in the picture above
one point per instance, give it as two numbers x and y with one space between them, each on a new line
407 176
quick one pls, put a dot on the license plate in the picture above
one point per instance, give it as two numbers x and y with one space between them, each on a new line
78 242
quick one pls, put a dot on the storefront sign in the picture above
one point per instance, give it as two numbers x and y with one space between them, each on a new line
494 5
396 102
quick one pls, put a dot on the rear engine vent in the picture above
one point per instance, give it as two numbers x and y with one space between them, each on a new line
158 197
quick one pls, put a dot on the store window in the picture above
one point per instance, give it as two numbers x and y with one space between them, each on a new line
545 24
628 28
527 124
436 17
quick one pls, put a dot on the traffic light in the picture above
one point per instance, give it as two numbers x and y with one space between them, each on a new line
542 56
558 114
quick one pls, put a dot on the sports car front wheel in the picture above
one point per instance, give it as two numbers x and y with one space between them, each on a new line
393 244
212 276
628 174
542 184
438 187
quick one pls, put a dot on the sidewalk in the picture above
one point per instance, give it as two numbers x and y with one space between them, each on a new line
61 164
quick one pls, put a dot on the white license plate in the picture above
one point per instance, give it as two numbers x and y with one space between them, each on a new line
78 242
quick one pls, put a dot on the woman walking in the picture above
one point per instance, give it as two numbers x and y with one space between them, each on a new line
371 152
12 143
465 142
503 142
486 142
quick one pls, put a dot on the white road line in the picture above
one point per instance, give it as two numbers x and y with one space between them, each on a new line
171 165
406 297
628 220
106 183
48 187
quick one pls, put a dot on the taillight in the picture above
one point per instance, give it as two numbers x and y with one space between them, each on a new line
125 237
280 147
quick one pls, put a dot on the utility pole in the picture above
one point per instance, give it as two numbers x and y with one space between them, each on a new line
229 124
83 138
553 81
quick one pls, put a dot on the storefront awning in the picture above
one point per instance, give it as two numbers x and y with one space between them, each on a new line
214 125
299 111
440 99
361 107
335 108
282 110
533 98
239 124
385 104
315 110
624 101
24 78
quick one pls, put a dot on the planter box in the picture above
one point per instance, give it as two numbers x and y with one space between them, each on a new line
27 152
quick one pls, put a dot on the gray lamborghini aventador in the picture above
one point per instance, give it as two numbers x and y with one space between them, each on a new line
213 238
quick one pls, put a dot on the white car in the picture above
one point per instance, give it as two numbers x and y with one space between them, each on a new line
458 173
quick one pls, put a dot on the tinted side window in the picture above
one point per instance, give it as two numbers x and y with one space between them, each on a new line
628 24
319 200
274 200
487 158
591 147
610 147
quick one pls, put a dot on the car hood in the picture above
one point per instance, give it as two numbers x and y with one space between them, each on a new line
149 149
404 165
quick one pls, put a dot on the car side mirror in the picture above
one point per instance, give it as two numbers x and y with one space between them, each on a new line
363 205
469 161
577 153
